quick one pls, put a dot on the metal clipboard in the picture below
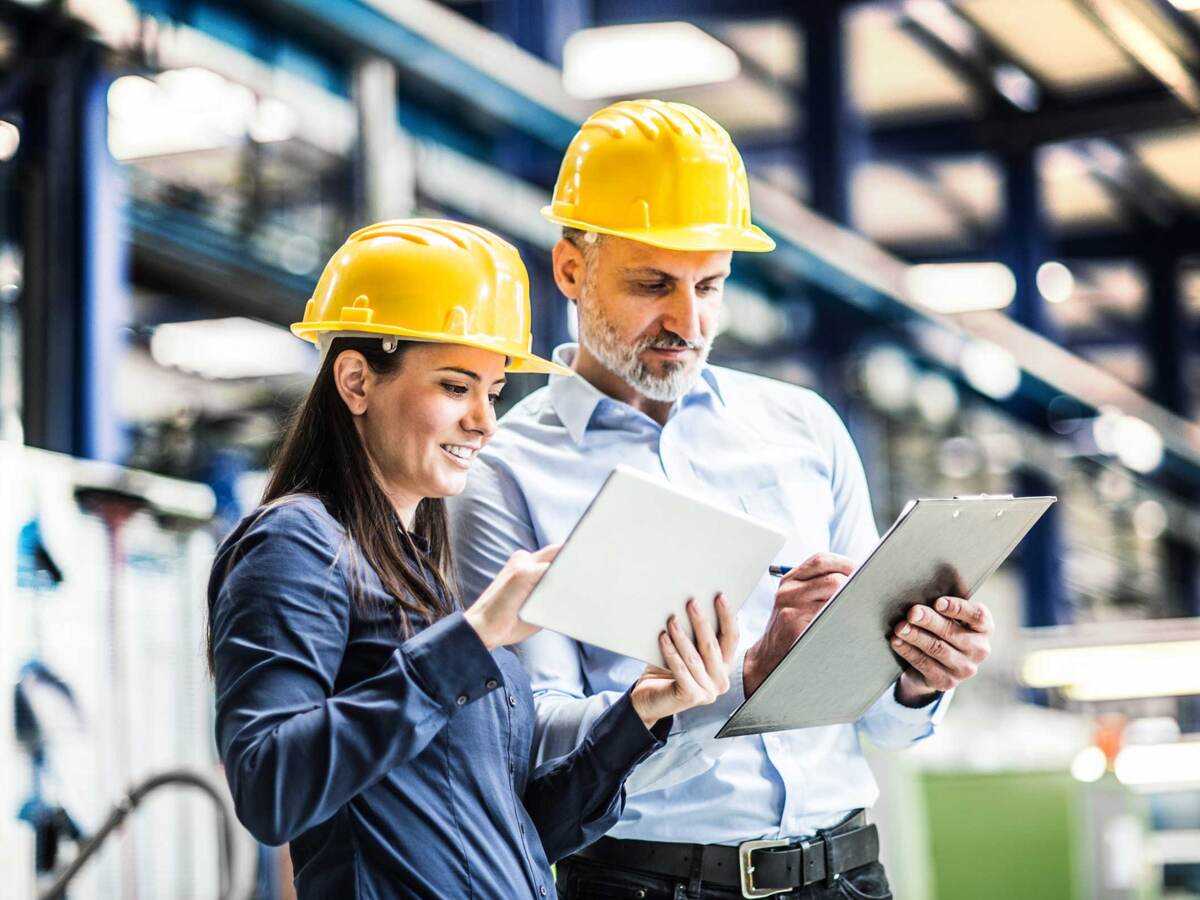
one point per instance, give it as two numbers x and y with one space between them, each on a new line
843 662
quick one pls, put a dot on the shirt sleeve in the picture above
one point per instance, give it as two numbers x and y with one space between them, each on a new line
488 522
852 532
294 749
888 723
574 799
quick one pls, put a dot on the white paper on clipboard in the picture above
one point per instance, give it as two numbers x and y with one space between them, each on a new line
843 661
638 553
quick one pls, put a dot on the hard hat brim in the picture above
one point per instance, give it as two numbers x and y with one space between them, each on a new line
520 361
751 239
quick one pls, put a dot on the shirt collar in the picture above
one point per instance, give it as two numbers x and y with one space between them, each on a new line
575 398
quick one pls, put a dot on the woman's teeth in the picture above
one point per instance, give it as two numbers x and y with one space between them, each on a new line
460 452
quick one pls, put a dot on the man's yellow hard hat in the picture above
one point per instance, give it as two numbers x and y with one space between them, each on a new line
661 173
428 280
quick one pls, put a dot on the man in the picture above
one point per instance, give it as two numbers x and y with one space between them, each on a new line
653 198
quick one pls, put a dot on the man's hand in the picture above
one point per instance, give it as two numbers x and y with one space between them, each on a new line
802 593
943 646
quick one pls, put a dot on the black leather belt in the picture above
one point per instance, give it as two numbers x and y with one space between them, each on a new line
759 868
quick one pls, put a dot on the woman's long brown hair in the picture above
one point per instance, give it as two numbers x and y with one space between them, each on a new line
321 454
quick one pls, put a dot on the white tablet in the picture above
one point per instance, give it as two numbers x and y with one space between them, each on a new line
639 552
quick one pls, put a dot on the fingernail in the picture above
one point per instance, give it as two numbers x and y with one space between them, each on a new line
943 603
671 620
918 614
905 630
897 643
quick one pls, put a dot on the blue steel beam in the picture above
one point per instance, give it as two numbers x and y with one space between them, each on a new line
105 295
1142 107
352 23
50 170
832 144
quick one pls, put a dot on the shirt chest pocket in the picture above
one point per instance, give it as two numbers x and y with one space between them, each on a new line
802 508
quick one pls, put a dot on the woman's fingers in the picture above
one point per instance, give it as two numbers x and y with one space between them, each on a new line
547 553
727 629
675 664
710 649
687 651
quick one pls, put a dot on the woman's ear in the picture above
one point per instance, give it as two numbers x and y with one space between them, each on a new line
352 375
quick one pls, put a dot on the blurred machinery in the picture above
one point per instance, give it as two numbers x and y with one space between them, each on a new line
103 638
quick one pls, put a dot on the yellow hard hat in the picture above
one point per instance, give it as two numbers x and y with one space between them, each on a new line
661 173
428 280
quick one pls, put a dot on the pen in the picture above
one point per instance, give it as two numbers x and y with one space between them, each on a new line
779 571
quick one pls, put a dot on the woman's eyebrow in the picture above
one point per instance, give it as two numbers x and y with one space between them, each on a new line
472 375
461 371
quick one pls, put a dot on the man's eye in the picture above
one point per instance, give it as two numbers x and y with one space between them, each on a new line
652 287
493 399
708 289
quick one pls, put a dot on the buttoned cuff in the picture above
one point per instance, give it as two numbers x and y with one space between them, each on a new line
452 664
620 738
914 715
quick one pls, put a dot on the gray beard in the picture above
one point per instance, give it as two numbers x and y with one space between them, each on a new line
602 341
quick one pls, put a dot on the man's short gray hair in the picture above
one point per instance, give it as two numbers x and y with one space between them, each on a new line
586 242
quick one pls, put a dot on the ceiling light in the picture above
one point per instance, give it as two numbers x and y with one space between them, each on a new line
623 60
10 140
888 378
1117 671
1055 281
1159 764
961 287
273 121
1089 765
1138 444
1149 520
991 370
180 111
231 348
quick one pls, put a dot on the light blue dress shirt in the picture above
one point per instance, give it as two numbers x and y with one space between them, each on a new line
775 450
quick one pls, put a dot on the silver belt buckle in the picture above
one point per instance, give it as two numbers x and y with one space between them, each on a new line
746 868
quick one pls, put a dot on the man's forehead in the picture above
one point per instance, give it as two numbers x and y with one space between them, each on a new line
635 259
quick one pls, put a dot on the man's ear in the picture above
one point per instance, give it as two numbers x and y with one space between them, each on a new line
351 374
570 269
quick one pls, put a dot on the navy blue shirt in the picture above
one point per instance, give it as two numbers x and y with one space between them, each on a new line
395 768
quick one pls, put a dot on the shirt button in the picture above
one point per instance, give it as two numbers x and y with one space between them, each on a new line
462 700
512 701
542 889
492 684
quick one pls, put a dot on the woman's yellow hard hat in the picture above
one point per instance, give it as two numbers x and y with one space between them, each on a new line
661 173
428 280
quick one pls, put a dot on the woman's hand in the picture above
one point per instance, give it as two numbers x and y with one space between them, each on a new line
494 614
697 671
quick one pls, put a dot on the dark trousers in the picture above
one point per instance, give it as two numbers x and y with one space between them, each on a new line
582 879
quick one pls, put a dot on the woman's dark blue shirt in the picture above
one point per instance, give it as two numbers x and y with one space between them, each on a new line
394 768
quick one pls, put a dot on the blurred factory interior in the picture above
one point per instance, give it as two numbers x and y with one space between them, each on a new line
988 219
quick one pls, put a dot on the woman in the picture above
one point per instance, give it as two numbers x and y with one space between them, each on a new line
362 715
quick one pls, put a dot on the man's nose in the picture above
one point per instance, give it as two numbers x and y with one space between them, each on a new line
682 315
